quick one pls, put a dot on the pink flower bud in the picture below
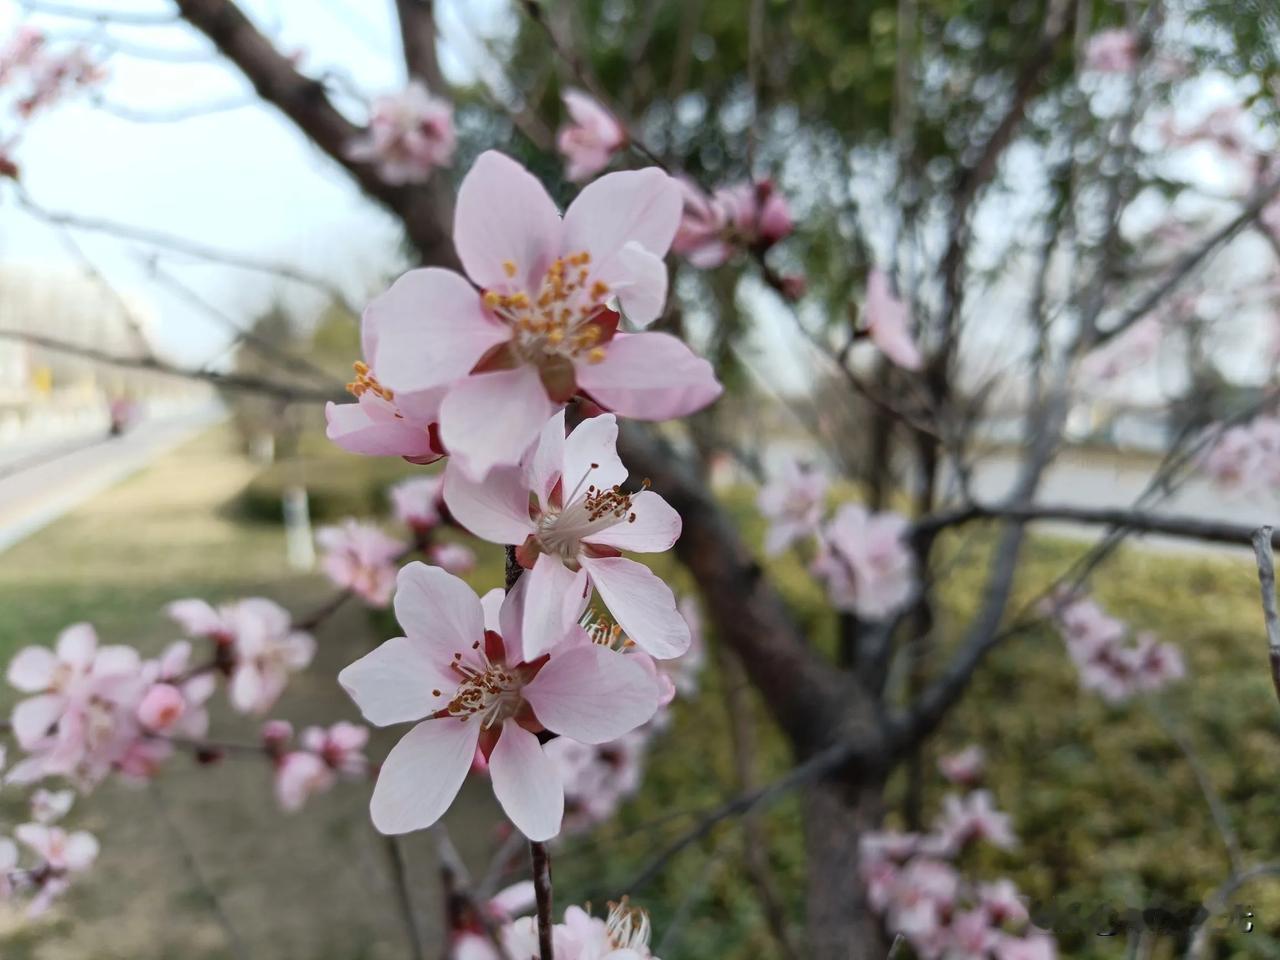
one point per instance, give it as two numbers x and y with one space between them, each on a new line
161 707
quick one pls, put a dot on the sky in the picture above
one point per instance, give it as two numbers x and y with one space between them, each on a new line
245 181
242 180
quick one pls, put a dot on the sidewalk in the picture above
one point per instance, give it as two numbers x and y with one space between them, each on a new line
40 484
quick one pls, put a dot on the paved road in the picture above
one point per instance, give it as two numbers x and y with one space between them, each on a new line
41 482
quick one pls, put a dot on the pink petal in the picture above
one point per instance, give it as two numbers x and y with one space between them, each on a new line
32 718
196 617
77 645
432 329
116 661
889 323
526 783
504 216
351 427
511 620
639 279
591 457
397 681
494 509
546 464
649 376
438 609
591 694
422 775
490 419
656 526
641 603
492 603
249 690
550 606
80 851
33 669
643 206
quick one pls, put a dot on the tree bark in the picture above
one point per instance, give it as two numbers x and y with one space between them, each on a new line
841 924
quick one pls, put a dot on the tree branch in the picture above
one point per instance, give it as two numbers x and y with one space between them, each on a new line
1262 548
229 381
418 37
303 100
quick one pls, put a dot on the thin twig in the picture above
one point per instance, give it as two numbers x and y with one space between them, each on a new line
404 902
1262 549
542 893
202 884
1213 800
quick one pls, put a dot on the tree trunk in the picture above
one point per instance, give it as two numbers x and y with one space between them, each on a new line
841 925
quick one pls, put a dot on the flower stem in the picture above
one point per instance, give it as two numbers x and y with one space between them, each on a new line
542 893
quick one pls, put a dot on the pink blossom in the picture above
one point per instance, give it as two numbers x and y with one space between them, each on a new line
866 563
275 735
325 756
410 134
970 936
965 767
889 323
544 327
61 855
744 215
1109 662
79 692
361 558
1111 51
591 139
924 894
597 778
8 865
463 674
972 818
50 806
683 671
453 557
417 502
1246 458
258 638
792 503
21 52
565 507
1002 902
1029 946
300 775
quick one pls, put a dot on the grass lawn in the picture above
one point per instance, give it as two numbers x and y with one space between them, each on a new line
1107 808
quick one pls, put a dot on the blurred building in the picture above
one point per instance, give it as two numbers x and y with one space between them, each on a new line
45 385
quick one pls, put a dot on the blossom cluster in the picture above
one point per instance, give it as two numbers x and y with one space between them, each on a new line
1111 662
916 883
622 935
1245 458
52 854
862 558
34 77
410 134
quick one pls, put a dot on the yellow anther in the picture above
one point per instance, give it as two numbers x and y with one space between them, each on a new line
596 354
520 300
555 336
509 267
599 290
491 299
361 368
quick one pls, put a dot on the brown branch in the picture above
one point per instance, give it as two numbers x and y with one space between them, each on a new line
813 703
1262 549
542 893
229 381
418 37
304 101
